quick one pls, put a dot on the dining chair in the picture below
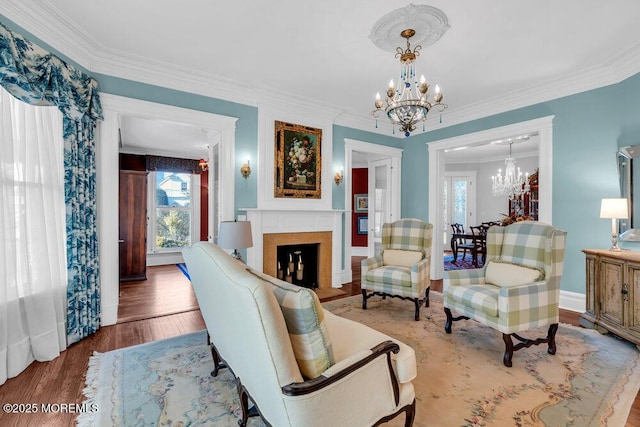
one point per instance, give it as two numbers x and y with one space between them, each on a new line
458 242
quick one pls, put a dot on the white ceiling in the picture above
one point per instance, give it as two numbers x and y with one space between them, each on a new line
497 54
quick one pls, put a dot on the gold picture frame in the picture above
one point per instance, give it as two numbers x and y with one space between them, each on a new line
297 161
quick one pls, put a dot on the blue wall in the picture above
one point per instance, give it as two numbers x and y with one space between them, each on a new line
246 126
587 130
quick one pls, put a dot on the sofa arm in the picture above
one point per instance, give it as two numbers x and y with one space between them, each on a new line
464 277
345 368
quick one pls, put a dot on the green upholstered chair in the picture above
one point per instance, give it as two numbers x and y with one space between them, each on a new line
402 268
517 289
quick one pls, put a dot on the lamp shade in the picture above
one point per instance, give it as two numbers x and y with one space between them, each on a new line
614 208
235 235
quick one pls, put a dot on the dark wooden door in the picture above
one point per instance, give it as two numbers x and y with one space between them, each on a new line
133 225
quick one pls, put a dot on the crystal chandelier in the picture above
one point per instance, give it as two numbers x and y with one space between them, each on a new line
513 183
408 105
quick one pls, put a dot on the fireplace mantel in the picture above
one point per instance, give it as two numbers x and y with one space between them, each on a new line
267 221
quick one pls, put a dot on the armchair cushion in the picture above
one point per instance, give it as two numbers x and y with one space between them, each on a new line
304 317
483 298
390 275
506 274
401 258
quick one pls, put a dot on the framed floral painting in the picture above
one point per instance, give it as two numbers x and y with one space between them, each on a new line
297 161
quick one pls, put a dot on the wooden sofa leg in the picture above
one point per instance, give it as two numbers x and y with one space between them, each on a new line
411 414
364 299
244 404
426 296
551 336
417 303
217 364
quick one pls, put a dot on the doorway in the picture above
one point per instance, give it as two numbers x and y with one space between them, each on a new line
459 201
543 126
219 129
384 166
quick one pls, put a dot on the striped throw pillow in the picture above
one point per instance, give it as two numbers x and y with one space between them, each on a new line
307 328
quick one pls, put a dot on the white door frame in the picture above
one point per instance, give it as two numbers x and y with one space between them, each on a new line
107 155
372 165
351 145
471 200
543 126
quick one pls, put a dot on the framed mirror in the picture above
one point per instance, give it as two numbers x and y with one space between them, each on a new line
628 175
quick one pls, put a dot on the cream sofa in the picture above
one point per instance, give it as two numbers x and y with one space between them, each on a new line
367 383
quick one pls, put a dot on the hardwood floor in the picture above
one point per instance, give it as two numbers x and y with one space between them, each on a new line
166 291
142 317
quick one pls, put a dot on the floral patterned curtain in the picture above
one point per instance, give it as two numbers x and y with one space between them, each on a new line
36 76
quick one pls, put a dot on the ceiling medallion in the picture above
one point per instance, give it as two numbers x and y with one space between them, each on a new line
429 23
408 104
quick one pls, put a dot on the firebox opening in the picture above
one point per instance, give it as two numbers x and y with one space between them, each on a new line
298 264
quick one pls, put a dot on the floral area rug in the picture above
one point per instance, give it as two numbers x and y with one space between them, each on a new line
592 380
161 383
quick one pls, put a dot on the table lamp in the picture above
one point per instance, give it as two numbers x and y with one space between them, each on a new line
615 209
235 235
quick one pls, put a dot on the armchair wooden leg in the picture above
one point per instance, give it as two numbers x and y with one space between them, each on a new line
550 339
417 303
508 351
449 321
426 297
364 299
551 336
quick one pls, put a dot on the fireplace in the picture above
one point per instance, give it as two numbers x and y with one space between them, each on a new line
275 227
278 247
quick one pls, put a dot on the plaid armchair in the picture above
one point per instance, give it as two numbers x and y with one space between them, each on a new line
402 269
517 289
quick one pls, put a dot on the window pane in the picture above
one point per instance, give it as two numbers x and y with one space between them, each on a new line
173 228
173 189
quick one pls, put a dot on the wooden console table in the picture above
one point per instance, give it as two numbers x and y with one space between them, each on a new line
613 293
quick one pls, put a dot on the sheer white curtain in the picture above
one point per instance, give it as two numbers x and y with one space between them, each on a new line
33 275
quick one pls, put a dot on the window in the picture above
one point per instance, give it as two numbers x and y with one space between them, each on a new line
174 207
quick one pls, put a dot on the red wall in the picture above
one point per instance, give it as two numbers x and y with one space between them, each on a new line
360 185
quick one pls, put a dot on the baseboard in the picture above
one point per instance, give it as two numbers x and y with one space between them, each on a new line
109 315
346 276
164 258
359 251
573 301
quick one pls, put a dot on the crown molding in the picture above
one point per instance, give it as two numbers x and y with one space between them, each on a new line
44 21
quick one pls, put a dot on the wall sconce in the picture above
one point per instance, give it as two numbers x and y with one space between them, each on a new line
245 170
338 176
204 164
